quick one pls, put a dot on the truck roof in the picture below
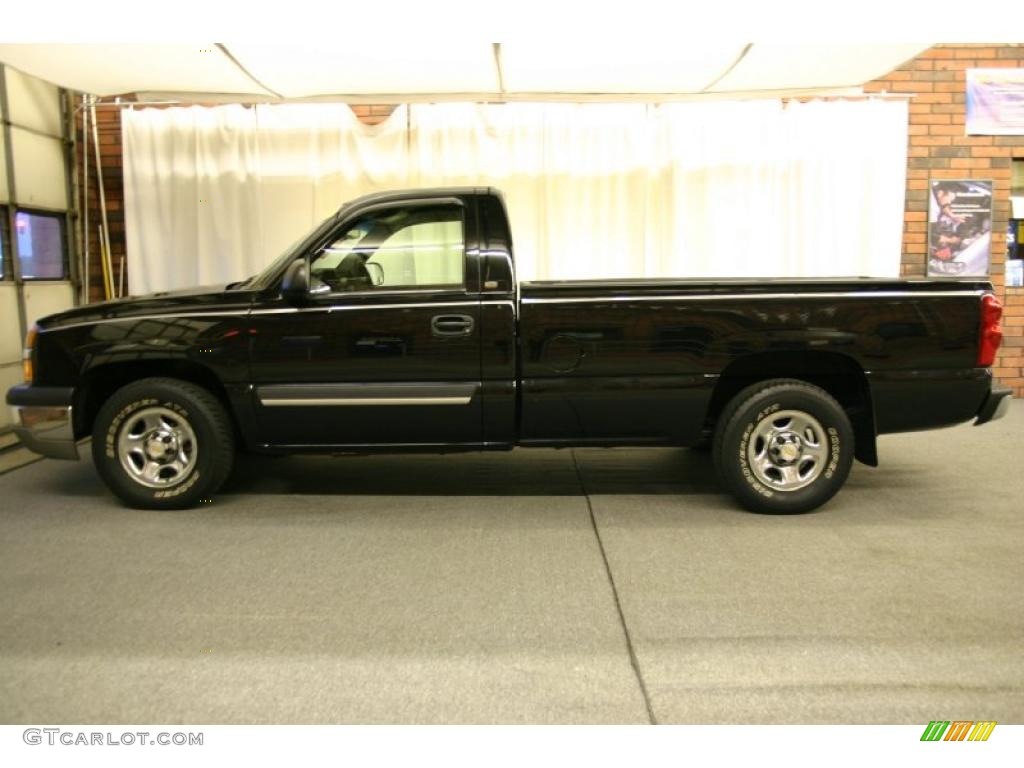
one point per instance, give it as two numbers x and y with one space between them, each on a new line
412 194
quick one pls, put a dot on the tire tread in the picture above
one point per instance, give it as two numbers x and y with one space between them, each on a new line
734 410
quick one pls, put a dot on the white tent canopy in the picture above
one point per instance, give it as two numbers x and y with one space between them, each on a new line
362 69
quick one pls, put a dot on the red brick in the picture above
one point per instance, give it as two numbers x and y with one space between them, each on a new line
969 163
990 152
972 53
946 130
934 98
996 63
948 173
931 119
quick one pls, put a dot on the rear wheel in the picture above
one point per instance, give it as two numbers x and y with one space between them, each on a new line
163 444
783 447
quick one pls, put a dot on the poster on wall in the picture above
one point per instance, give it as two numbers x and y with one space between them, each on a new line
995 102
959 228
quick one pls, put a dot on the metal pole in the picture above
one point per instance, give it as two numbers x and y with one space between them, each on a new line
12 205
67 111
85 198
103 262
108 282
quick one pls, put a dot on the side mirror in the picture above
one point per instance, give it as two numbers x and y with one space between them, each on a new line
295 283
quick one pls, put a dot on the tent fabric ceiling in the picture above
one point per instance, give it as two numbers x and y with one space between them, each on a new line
363 68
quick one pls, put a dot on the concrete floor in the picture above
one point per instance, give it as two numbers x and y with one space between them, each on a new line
481 588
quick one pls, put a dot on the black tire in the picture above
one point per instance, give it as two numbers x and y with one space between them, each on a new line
789 464
199 451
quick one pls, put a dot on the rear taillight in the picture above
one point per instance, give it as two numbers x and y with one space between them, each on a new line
991 334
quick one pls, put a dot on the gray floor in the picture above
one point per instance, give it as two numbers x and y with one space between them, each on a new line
477 589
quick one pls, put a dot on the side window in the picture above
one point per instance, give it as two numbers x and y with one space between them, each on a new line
419 246
40 245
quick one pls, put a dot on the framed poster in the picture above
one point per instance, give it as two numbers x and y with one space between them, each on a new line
995 102
959 228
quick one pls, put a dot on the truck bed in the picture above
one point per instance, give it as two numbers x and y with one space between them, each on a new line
615 360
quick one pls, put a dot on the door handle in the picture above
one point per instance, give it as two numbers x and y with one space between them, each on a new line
451 325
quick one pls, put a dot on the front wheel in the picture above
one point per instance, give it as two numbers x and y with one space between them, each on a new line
783 447
162 444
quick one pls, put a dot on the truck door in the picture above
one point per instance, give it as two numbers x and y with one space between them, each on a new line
385 351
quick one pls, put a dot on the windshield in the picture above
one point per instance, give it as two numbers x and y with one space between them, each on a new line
264 278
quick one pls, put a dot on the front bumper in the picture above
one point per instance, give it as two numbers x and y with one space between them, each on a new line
43 420
995 406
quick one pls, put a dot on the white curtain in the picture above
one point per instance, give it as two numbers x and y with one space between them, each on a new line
719 189
214 194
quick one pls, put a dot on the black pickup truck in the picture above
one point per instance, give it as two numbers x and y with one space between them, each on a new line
398 325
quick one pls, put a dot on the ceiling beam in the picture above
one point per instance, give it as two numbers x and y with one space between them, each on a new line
166 98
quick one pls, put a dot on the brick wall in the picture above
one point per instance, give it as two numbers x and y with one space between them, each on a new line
108 123
373 114
938 148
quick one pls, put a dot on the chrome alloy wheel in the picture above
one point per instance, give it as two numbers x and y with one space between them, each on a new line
157 447
787 450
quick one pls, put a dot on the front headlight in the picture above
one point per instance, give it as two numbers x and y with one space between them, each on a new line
26 353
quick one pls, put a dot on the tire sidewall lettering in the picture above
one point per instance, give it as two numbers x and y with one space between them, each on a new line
756 485
115 424
835 449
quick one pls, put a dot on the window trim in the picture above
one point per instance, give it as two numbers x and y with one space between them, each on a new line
348 221
61 219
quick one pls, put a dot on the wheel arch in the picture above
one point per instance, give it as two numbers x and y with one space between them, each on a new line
838 374
97 384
